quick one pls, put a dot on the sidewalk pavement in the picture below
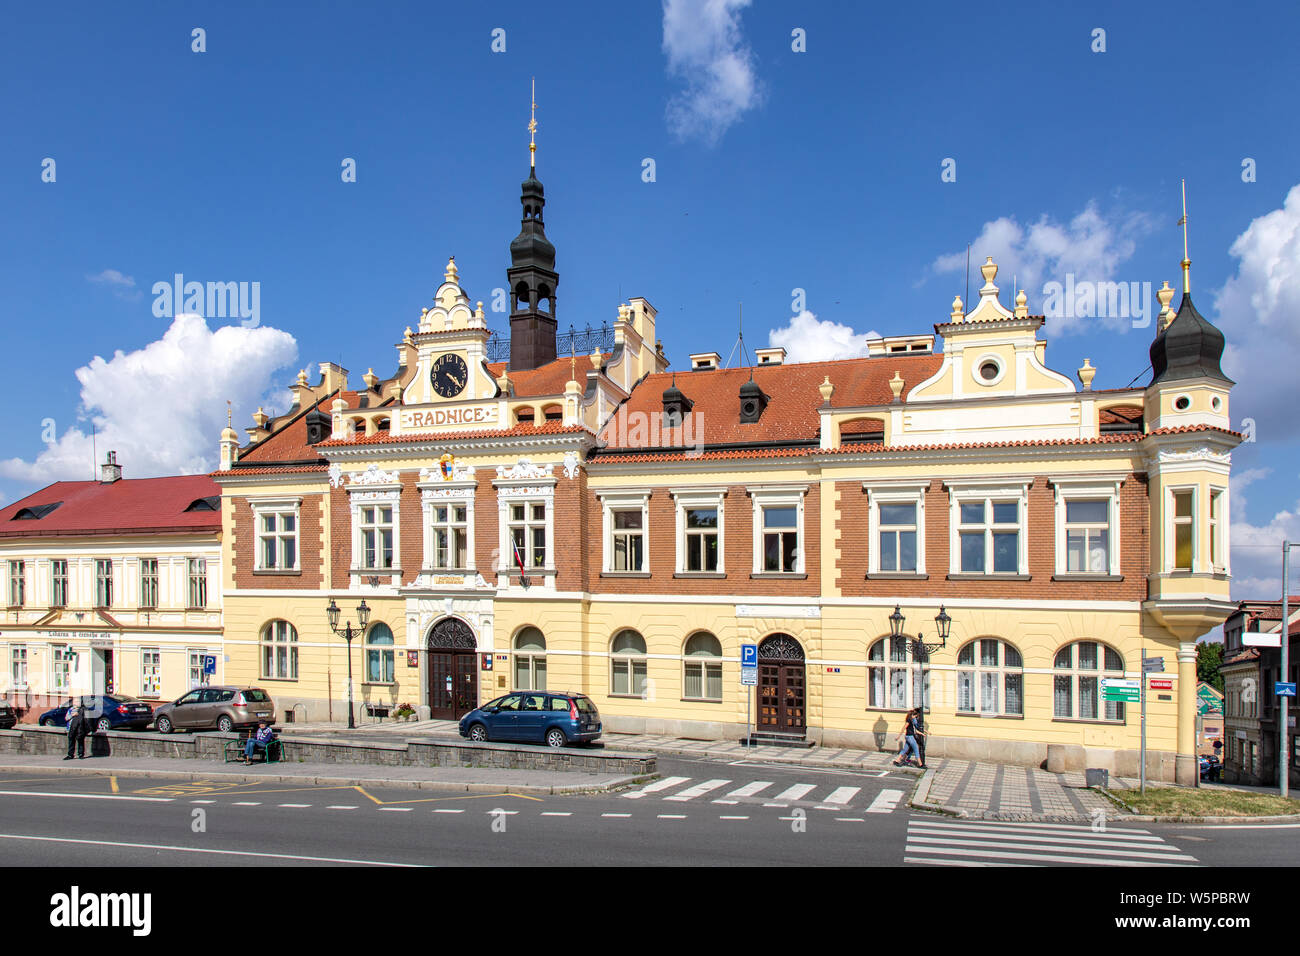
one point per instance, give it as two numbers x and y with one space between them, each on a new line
965 788
454 779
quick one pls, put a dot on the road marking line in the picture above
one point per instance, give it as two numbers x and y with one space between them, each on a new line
191 849
780 805
555 813
733 818
445 810
672 816
1108 838
796 792
112 782
699 790
341 806
396 809
885 801
850 820
83 796
504 813
247 803
751 789
658 785
841 796
939 861
296 805
727 803
203 801
948 844
619 815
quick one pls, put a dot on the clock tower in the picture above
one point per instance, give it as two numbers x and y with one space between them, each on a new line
532 277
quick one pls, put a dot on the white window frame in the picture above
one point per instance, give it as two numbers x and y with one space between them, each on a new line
151 672
387 652
61 655
913 669
1171 520
156 580
104 583
999 671
686 499
704 662
529 659
1087 489
54 583
266 638
628 662
973 492
624 501
196 575
1217 538
277 506
375 496
194 659
18 654
527 492
1074 673
450 494
888 494
779 497
17 583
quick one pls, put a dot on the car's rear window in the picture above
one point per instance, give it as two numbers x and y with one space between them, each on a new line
559 703
585 705
256 695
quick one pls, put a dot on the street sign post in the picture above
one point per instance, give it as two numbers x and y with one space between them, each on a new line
1284 689
1153 665
748 679
1143 682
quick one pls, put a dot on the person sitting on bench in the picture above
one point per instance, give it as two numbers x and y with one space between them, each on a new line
261 740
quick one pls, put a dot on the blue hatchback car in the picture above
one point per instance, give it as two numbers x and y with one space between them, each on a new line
534 717
105 712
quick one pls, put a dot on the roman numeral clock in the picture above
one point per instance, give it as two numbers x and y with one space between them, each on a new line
449 375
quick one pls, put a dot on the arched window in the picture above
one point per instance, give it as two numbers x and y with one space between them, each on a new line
530 660
379 654
990 679
279 651
900 682
702 668
1076 688
524 415
627 665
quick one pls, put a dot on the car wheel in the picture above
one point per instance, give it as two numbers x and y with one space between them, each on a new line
164 725
555 737
46 722
103 725
225 724
478 733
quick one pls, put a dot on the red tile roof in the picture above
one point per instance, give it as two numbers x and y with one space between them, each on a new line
126 506
518 431
1117 414
238 472
548 379
289 443
793 398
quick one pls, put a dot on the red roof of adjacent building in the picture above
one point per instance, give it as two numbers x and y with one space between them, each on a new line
126 506
522 430
548 379
289 443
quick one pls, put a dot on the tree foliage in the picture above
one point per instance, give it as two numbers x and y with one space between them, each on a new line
1209 656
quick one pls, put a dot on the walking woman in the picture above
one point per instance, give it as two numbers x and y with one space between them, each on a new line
908 738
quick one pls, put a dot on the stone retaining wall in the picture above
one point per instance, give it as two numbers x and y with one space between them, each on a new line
305 749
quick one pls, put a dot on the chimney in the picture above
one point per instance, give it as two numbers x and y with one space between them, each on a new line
110 471
773 356
705 361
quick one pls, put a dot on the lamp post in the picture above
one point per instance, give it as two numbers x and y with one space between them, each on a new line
943 627
363 618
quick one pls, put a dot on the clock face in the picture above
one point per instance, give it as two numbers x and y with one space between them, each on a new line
449 375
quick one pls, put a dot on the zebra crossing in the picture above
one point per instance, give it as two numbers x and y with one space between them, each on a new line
766 793
941 842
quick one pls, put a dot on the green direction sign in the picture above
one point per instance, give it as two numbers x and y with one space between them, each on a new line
1121 690
1208 701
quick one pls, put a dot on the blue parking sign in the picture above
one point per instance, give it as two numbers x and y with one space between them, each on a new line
749 655
209 663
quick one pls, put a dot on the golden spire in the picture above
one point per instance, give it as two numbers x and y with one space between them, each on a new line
229 423
532 130
1187 263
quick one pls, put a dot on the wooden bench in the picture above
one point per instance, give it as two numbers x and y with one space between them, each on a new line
272 753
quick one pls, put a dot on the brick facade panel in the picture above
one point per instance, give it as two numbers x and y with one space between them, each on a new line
309 548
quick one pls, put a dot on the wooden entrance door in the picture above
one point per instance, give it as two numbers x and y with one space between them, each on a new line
453 670
782 705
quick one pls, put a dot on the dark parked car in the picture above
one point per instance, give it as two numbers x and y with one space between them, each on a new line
548 717
105 712
224 708
1211 769
8 718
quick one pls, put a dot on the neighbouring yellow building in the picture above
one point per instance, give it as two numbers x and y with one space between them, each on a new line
599 523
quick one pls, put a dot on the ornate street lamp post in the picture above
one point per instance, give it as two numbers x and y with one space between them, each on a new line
921 649
363 618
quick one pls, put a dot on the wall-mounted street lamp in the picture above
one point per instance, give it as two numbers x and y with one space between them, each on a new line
363 618
943 627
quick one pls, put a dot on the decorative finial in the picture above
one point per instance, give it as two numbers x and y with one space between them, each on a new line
896 386
957 309
827 390
451 272
1187 263
260 417
371 379
1022 304
1087 374
302 376
1164 295
229 414
989 270
532 130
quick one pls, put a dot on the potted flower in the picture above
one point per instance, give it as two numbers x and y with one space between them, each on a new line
404 712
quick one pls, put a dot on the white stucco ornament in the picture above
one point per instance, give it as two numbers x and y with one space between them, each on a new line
336 475
524 469
570 464
374 475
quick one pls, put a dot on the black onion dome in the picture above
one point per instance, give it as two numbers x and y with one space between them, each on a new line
1190 347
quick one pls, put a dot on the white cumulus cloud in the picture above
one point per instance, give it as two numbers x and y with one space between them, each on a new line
1091 246
1257 549
123 286
810 339
707 52
162 407
1257 311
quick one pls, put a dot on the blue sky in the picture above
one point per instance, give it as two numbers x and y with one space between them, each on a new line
774 170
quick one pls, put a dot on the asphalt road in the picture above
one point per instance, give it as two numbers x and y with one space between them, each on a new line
700 812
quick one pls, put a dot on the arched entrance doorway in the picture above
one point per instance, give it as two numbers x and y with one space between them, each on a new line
781 686
453 669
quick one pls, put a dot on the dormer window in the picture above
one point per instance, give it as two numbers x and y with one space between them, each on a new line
35 512
319 426
205 504
752 402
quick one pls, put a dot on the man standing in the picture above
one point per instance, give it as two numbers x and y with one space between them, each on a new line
76 730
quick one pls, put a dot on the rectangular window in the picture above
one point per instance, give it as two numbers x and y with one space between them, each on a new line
450 536
528 534
103 583
150 672
196 668
1184 531
148 583
17 588
377 537
628 551
989 533
1216 535
198 568
701 539
61 658
18 666
277 540
58 583
780 538
703 681
1087 536
898 537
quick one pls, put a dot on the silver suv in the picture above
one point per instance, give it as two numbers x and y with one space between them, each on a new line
224 708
